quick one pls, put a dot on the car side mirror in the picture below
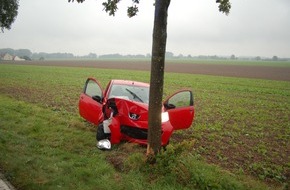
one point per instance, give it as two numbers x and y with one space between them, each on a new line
169 106
97 98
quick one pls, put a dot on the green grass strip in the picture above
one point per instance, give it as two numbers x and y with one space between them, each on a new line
41 149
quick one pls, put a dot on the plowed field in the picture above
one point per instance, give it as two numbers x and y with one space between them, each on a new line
244 71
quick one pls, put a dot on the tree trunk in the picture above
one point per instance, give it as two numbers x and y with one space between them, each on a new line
157 78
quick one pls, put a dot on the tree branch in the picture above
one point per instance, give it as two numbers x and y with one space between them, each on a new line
111 6
224 6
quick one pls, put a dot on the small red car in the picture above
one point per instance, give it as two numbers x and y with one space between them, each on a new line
121 110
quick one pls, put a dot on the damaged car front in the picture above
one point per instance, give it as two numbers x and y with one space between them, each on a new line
121 111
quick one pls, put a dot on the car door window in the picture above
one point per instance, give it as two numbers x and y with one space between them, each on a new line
90 102
180 109
92 89
181 99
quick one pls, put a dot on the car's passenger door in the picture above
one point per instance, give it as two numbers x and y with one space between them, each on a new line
90 102
180 109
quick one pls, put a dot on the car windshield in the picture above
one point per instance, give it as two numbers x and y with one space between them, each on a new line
130 92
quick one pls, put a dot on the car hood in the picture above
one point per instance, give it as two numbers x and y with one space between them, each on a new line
135 111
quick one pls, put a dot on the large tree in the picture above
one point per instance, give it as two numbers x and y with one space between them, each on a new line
8 13
157 78
157 74
157 64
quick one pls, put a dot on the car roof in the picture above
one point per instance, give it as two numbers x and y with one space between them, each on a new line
129 82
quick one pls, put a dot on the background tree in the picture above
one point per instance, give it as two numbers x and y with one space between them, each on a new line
169 55
157 64
275 58
8 13
258 58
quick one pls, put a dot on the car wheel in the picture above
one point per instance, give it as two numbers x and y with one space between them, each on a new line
101 134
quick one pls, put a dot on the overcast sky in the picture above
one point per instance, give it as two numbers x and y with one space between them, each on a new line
196 27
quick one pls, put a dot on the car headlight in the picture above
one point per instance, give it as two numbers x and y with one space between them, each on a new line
164 117
134 116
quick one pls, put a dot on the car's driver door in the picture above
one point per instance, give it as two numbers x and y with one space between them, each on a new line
180 109
90 103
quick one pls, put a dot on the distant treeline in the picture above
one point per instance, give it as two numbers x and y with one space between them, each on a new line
28 55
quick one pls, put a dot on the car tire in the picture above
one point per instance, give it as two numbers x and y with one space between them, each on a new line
101 134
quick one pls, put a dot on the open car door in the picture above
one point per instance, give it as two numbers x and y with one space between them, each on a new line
180 109
90 103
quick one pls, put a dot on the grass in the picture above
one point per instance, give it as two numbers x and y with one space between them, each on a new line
232 62
42 150
202 61
47 150
240 134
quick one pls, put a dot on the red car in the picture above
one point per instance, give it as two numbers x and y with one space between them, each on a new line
121 110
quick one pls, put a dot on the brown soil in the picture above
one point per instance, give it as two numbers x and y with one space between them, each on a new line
244 71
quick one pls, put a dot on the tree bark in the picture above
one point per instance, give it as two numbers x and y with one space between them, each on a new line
157 79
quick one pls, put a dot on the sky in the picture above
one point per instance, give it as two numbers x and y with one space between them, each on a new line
195 27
